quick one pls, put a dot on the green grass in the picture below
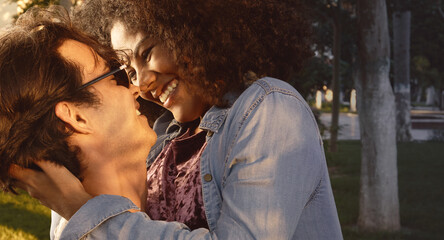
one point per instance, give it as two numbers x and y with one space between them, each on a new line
420 174
22 217
420 170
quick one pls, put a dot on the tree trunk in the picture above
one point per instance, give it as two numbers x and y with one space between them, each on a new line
378 203
336 79
431 96
401 67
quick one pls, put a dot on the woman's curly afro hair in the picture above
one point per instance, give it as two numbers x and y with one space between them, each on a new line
96 18
219 45
221 42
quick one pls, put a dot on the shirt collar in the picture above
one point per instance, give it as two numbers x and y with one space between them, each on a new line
215 116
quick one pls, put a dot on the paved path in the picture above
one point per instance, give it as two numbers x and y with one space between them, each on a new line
427 125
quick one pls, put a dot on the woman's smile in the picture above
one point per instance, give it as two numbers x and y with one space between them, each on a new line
158 75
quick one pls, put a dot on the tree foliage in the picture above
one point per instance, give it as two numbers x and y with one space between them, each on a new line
427 39
23 5
324 13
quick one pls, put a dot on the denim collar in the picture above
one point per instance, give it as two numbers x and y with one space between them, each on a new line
215 116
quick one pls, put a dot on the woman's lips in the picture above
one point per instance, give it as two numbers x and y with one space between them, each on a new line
161 94
168 90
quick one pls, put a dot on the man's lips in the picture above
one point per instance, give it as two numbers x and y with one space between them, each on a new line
137 109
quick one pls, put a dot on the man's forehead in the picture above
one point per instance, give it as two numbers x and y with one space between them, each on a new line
76 51
82 55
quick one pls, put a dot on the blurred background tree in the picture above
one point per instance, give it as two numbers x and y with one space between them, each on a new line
332 20
427 51
401 28
23 5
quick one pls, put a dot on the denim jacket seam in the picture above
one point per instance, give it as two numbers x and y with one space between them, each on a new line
245 116
215 122
97 222
286 92
104 219
267 90
314 194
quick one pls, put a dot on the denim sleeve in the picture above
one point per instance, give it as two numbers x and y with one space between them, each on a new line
108 217
274 168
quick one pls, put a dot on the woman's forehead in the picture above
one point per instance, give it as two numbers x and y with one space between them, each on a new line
122 39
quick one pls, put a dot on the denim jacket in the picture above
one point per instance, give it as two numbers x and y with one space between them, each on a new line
264 176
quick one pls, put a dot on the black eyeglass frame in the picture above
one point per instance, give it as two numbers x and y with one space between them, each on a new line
112 72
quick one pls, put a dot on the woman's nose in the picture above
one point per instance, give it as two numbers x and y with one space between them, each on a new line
145 79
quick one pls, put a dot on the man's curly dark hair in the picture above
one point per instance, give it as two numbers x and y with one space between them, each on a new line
219 44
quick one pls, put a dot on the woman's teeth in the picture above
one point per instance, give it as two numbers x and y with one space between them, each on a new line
168 91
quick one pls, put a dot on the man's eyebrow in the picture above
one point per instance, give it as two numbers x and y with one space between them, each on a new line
139 44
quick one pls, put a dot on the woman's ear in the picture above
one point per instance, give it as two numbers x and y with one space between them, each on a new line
73 116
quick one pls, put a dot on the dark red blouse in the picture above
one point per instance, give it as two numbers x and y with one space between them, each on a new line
174 184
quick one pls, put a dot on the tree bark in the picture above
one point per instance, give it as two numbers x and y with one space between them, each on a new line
401 67
379 204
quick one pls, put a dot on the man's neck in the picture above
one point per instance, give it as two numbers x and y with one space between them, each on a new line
117 176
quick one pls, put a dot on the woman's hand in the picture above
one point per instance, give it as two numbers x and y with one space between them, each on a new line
54 186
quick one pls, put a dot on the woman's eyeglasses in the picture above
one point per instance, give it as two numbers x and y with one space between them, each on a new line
119 73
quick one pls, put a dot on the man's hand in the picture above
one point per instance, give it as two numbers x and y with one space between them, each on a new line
54 186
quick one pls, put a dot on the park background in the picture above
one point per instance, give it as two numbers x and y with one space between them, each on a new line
415 31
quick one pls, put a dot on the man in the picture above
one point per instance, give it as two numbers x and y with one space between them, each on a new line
64 98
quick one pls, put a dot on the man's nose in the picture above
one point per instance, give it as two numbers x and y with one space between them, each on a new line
135 90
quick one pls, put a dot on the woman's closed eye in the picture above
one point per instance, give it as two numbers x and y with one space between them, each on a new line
146 54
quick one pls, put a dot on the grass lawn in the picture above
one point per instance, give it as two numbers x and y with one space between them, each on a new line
22 217
420 170
421 194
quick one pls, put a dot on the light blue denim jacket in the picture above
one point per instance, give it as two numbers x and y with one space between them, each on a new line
264 176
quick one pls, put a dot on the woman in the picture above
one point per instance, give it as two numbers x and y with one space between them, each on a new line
238 155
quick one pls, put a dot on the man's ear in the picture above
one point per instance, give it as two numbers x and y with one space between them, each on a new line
73 116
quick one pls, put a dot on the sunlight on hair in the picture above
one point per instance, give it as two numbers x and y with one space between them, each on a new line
38 28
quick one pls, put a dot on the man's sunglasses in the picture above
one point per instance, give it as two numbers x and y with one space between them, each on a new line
119 73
